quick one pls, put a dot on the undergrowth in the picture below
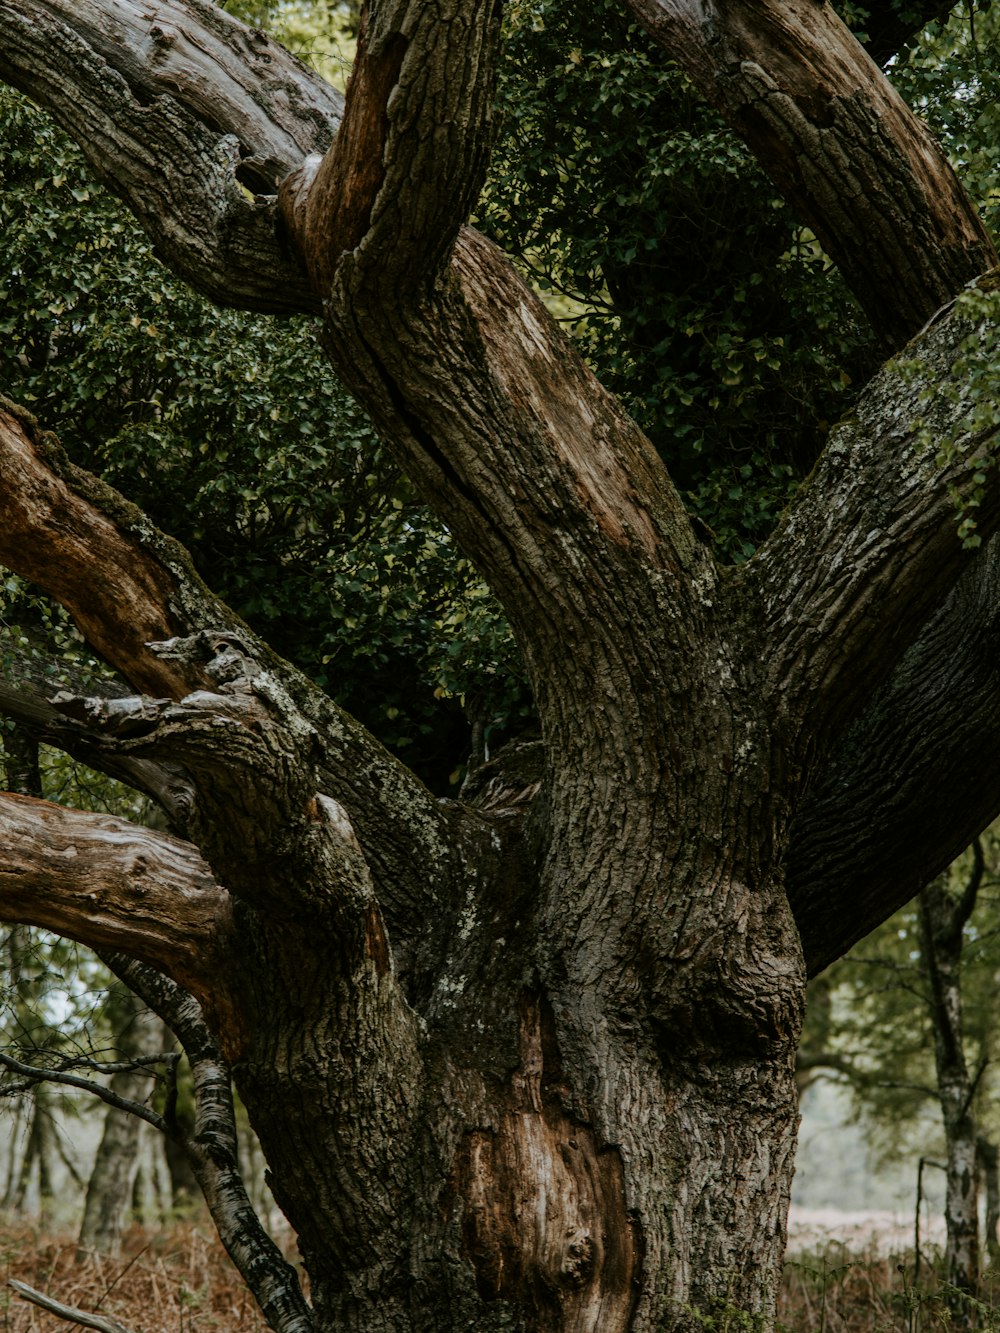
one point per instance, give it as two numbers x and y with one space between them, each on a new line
174 1280
178 1279
837 1289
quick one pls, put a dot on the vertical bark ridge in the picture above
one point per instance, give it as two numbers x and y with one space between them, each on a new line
333 1096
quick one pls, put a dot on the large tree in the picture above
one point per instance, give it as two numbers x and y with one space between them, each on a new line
525 1061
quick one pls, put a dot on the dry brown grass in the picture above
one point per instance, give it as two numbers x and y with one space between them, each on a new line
179 1280
836 1289
175 1280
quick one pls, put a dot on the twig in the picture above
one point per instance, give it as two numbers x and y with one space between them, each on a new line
70 1313
35 1075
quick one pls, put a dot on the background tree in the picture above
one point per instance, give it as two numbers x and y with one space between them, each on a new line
628 927
109 1197
906 1022
297 516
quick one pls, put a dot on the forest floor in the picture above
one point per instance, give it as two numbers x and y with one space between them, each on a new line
178 1279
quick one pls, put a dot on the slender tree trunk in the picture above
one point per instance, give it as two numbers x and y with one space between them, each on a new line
23 774
38 1152
943 917
17 1133
109 1190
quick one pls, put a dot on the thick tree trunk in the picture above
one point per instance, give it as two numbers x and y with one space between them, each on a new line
571 1150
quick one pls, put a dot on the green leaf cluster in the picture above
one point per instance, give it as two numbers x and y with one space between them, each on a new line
951 78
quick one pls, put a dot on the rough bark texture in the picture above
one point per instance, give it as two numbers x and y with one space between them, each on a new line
527 1061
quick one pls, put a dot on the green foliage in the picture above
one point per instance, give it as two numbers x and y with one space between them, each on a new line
681 274
951 78
320 33
38 641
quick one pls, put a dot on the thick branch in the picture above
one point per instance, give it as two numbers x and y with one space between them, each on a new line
58 524
252 757
183 105
432 168
411 155
869 545
912 782
840 144
539 474
111 884
164 783
51 534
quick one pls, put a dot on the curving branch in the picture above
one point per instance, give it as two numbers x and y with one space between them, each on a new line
31 1075
409 181
166 784
58 523
912 782
51 533
411 156
112 884
868 547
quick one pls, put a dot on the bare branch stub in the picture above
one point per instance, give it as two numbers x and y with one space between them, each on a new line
71 1313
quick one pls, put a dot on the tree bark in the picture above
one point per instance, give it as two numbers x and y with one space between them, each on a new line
526 1063
841 145
989 1170
943 916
